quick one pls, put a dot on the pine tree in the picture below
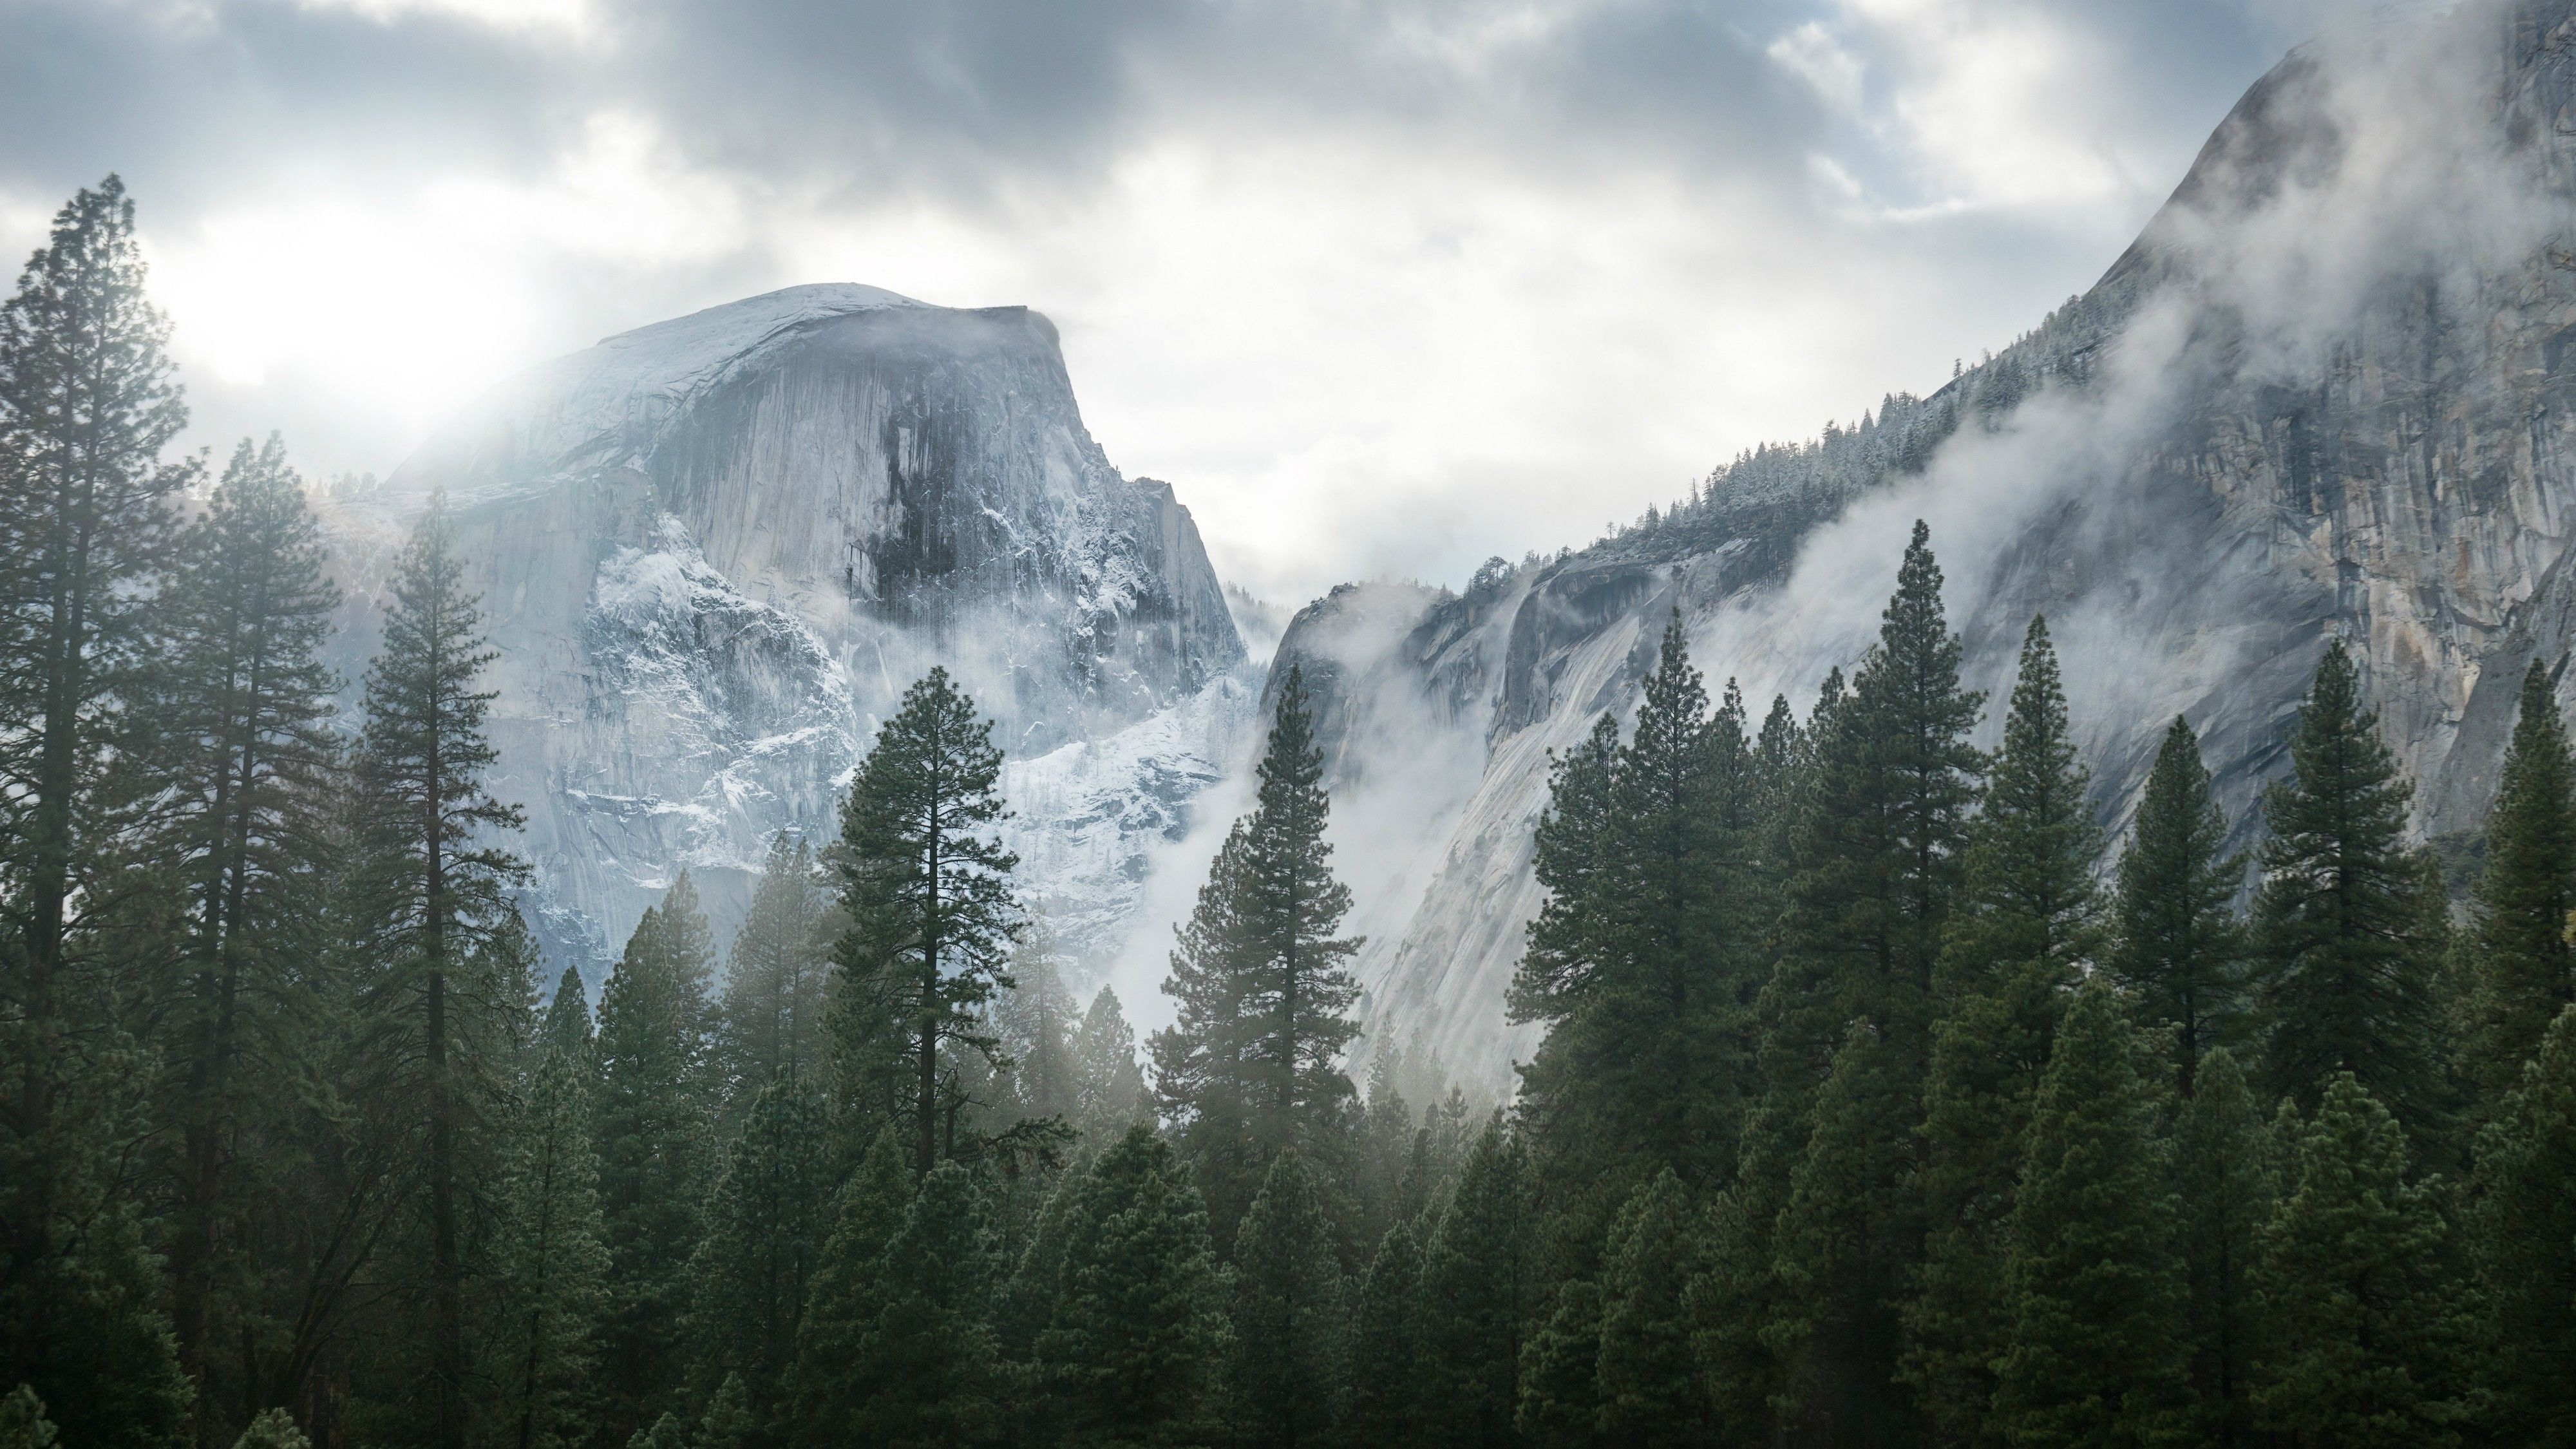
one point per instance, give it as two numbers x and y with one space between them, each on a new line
272 1429
770 1022
1876 874
2027 928
656 1149
2526 1246
542 1350
731 1422
1560 1372
765 1223
2091 1291
1644 966
1250 1067
1289 1367
1480 1290
237 715
2362 1338
1028 1299
23 1424
2178 945
1388 1351
2339 921
436 883
1035 1020
1137 1344
927 1359
2224 1156
1651 1391
830 1387
1109 1086
2525 970
930 908
87 404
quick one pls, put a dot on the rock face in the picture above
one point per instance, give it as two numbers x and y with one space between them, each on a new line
2330 393
714 551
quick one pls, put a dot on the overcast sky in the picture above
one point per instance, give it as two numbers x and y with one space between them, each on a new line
1381 288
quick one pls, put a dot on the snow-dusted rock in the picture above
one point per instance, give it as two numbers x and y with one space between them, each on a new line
714 551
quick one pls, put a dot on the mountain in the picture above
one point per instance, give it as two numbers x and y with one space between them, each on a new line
714 551
2329 393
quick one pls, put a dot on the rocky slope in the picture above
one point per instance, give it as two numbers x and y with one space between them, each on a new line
714 551
2330 393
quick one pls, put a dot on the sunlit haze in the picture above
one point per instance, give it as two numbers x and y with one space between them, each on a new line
1379 288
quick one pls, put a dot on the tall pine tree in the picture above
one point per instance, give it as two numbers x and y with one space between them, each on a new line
1480 1290
656 1148
436 882
770 1020
1136 1348
2027 928
1876 875
2361 1315
928 896
2092 1298
2340 920
2224 1173
239 715
1651 1390
2526 1246
1289 1368
2524 968
87 404
1251 1066
831 1386
765 1222
2178 946
1387 1349
552 1262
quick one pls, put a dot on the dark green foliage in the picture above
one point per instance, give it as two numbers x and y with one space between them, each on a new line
1035 1021
2524 969
2361 1319
1137 1346
272 1429
1289 1369
1250 1067
731 1422
928 896
2092 1292
769 1025
1480 1289
541 1350
2026 928
2339 923
1109 1087
1643 962
829 1389
87 404
1876 875
927 1361
2224 1170
1650 1386
1390 1393
656 1148
2178 946
765 1223
237 724
2526 1247
444 977
23 1424
1560 1371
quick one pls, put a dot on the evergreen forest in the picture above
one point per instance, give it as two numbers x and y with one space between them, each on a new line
1885 1099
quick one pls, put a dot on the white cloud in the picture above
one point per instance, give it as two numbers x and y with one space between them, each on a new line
565 19
1817 56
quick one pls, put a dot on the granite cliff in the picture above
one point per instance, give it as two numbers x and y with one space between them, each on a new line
714 551
2329 393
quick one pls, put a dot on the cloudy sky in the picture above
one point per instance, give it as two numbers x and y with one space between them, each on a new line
1381 288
